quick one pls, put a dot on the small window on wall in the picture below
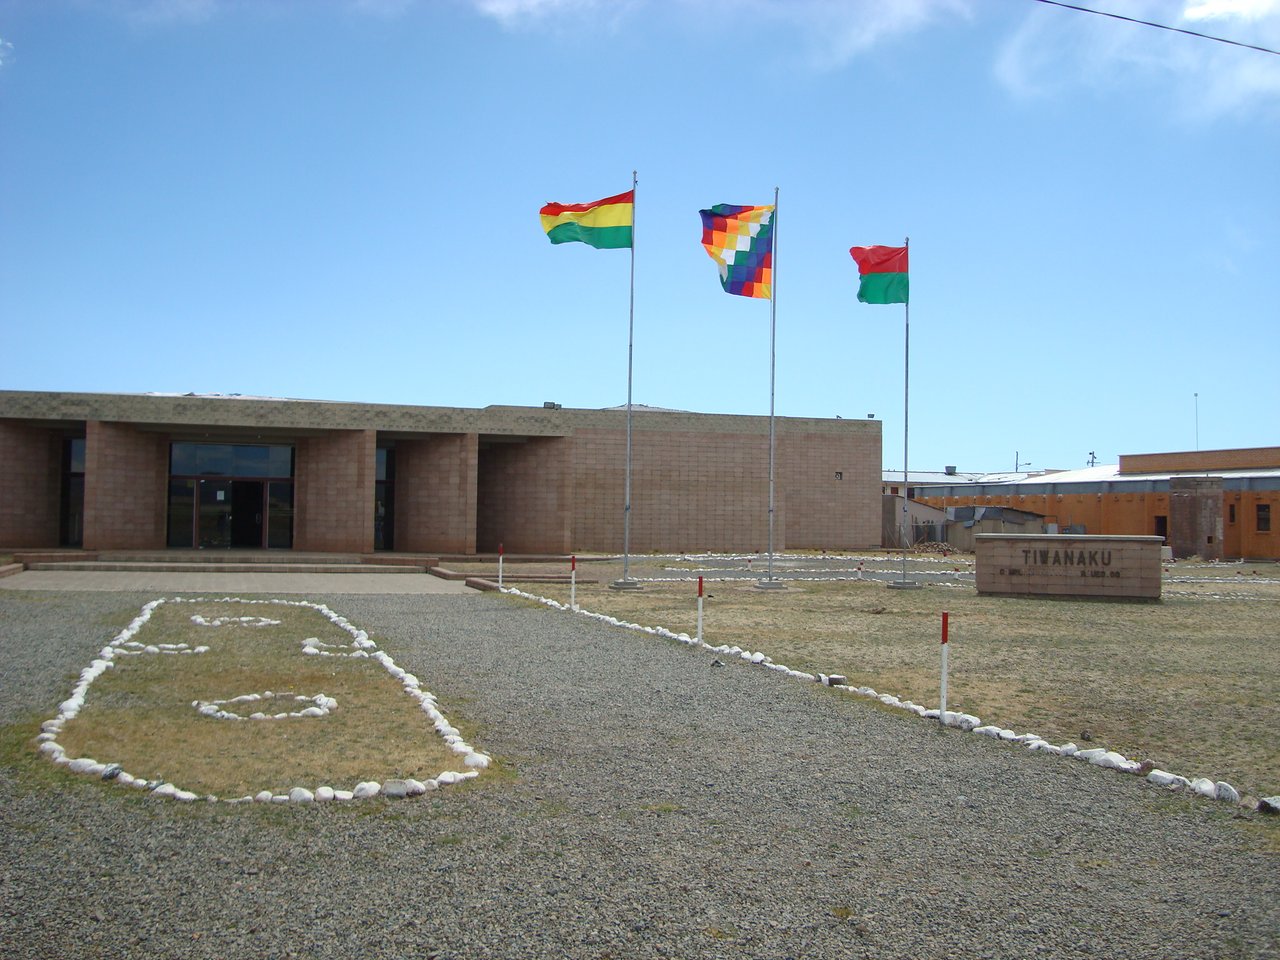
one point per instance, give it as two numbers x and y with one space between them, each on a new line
1231 513
1264 518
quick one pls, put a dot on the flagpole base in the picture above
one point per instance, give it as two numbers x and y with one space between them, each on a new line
626 584
770 585
903 585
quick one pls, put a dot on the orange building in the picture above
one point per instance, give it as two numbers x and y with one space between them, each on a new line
1216 504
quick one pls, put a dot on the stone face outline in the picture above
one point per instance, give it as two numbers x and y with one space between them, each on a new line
124 644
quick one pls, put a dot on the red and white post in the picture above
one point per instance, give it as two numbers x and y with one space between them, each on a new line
699 609
499 566
573 583
942 710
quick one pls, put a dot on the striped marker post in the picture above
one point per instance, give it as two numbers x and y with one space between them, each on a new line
699 609
499 566
942 711
573 583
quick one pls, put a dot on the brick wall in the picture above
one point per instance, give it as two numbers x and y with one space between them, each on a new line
523 495
1201 461
30 478
689 492
693 491
435 491
823 511
333 492
126 479
1195 517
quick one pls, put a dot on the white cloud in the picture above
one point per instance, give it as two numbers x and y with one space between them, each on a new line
512 12
171 11
835 31
6 52
1054 50
1225 9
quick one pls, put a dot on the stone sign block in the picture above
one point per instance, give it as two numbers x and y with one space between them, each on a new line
1017 565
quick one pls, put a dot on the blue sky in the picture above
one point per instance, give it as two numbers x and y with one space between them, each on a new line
339 200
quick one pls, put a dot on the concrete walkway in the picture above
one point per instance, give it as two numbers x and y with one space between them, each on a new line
225 583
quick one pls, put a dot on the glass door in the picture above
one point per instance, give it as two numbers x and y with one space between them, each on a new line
247 511
215 513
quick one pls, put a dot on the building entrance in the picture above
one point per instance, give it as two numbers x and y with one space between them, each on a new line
231 513
216 506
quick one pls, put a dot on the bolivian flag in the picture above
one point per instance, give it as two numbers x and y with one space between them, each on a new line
605 224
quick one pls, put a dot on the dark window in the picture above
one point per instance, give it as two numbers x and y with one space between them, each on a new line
280 514
182 506
71 518
75 455
1264 518
384 500
230 460
1231 513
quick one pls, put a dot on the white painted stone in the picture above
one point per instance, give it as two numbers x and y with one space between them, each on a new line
1204 787
301 795
81 765
476 761
262 796
988 731
416 787
324 794
164 790
396 789
369 788
1111 760
1070 749
186 796
1089 755
343 795
1162 778
1226 792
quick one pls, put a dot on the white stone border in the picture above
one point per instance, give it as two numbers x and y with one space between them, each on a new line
124 645
1098 756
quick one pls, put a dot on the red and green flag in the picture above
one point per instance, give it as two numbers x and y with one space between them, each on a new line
884 274
605 224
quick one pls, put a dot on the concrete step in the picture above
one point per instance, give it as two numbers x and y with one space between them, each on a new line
216 557
142 566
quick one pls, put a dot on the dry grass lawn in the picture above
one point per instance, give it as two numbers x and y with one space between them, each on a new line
1191 682
140 712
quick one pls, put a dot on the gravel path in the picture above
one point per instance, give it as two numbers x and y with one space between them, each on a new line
646 804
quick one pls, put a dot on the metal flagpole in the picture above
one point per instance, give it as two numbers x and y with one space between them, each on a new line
626 583
904 583
773 328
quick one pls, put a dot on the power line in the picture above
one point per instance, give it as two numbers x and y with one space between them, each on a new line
1162 26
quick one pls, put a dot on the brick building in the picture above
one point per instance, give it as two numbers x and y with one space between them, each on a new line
111 471
1215 504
